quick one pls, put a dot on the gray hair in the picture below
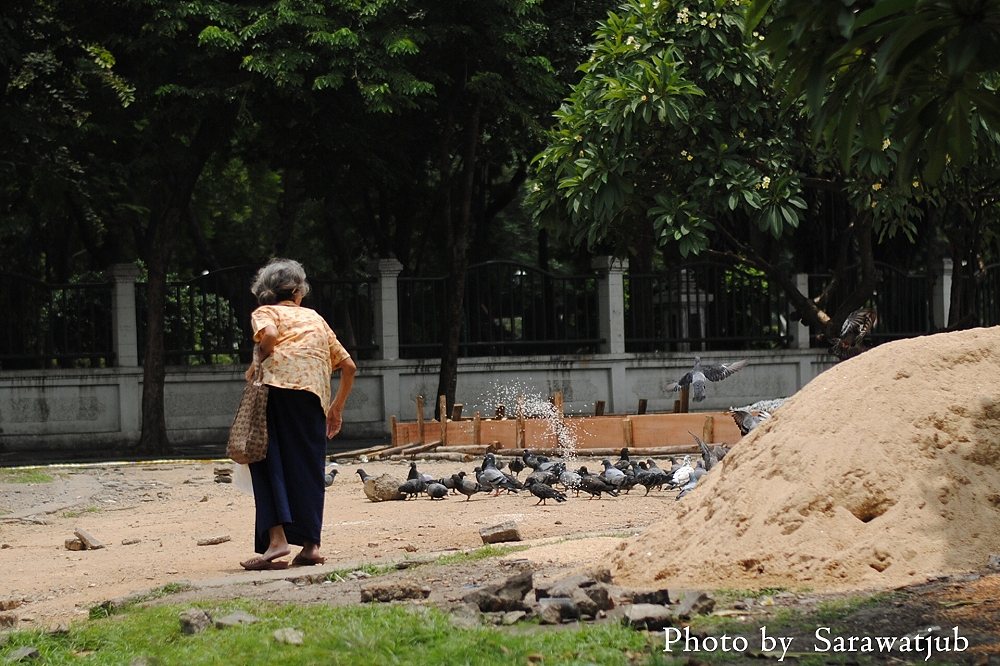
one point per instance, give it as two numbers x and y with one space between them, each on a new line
280 280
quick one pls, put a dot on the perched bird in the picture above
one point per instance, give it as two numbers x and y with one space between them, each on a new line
854 329
614 476
490 478
414 474
543 491
329 476
381 488
594 485
516 466
624 462
466 486
436 490
699 374
412 487
683 473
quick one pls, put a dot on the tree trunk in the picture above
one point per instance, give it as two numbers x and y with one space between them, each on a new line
461 233
153 439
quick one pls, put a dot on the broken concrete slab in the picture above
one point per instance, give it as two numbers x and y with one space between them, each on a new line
501 533
384 591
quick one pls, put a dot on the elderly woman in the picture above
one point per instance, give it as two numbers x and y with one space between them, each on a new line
297 352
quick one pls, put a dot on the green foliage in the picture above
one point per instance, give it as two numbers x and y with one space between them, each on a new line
923 71
673 127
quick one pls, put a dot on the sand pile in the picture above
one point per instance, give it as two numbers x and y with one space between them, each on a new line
884 470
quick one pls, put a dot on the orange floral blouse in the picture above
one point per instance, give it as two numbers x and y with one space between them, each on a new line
305 353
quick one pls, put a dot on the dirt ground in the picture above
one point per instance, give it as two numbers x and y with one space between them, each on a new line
150 517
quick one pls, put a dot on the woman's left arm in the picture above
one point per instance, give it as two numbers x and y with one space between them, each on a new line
263 348
335 415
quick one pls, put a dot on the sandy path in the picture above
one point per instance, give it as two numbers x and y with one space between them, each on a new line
167 507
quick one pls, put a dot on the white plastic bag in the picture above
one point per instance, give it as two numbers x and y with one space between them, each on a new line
242 480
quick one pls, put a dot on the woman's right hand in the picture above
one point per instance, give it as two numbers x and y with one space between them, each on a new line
250 371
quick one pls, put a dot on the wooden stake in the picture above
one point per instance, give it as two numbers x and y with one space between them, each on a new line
477 429
627 432
685 394
708 430
420 419
599 408
558 401
456 411
642 406
443 417
392 430
519 428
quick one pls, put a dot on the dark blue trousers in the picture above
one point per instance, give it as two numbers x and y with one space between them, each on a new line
288 486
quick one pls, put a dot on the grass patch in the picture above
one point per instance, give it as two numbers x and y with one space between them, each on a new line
372 570
76 513
362 635
24 475
482 553
114 607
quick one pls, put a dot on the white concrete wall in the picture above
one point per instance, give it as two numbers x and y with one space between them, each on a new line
101 409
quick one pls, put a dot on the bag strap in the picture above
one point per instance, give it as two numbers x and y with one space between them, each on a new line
258 374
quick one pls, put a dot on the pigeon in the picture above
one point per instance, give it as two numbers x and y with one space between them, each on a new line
699 374
414 474
467 487
747 420
490 478
854 329
614 476
708 456
436 490
543 491
651 476
683 473
623 460
329 476
516 466
594 485
570 481
412 487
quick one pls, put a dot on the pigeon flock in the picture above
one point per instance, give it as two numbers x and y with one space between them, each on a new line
550 479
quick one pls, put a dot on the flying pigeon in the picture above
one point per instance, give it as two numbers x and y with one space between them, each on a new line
854 329
699 374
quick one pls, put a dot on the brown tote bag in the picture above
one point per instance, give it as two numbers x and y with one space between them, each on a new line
248 436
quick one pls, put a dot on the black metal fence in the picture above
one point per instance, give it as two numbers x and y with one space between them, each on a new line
509 309
702 307
55 325
904 300
207 319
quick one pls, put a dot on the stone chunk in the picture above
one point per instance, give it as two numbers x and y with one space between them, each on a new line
501 533
288 635
556 610
75 544
465 615
394 591
88 539
26 653
695 603
10 603
502 597
236 619
8 619
651 617
660 597
214 540
194 621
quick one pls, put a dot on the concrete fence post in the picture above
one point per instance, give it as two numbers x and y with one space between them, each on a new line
611 302
387 308
125 334
798 330
942 293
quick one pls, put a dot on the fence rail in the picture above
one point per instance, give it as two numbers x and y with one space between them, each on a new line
508 309
702 307
55 325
